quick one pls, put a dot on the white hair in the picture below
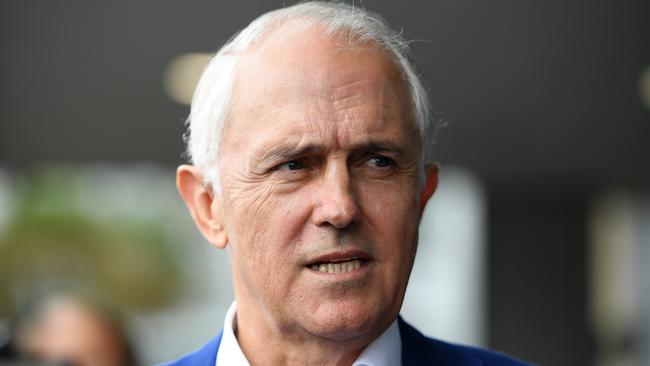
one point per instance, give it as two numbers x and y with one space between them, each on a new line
211 100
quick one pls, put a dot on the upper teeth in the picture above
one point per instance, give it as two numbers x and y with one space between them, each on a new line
340 267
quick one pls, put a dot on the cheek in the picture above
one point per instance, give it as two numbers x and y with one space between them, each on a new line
264 229
390 208
392 221
270 249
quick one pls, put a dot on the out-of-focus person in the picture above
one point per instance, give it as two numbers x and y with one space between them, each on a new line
71 330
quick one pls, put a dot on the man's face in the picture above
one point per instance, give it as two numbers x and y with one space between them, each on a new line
320 203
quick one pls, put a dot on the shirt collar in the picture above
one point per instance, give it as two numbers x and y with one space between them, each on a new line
384 351
230 354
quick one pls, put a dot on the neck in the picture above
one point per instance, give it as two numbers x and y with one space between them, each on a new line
264 344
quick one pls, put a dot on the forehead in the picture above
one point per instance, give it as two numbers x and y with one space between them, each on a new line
302 79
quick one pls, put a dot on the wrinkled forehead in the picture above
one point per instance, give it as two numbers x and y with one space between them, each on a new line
289 62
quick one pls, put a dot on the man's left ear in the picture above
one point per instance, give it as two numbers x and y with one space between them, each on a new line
430 184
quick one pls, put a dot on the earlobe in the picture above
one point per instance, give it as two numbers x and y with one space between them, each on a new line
430 185
204 206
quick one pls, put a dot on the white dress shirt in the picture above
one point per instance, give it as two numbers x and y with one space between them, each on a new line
384 351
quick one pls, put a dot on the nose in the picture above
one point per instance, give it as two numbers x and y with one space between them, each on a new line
337 205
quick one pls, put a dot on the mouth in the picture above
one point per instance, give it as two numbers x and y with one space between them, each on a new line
341 262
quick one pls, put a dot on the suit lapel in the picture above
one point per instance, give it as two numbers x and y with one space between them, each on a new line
418 350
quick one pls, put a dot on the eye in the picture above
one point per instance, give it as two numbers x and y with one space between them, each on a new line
292 165
380 161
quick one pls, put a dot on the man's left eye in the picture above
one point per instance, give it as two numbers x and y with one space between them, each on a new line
381 161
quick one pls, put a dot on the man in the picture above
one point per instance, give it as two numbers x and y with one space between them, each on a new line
308 134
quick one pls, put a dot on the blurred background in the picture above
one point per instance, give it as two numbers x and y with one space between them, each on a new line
537 244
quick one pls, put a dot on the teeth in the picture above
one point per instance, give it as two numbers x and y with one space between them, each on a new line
338 267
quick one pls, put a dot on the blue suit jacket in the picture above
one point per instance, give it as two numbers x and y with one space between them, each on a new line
417 350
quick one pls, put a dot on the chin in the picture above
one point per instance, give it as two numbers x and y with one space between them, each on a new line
345 323
339 332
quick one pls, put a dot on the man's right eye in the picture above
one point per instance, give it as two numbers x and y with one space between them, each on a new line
292 165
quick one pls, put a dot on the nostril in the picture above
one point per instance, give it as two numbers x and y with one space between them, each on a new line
340 215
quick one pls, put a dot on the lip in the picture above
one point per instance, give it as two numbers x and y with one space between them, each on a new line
340 256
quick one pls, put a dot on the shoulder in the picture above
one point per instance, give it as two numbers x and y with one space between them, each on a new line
204 356
418 349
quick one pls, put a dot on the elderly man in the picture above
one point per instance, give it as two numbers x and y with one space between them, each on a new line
309 135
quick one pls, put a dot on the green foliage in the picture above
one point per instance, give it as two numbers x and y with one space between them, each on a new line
51 244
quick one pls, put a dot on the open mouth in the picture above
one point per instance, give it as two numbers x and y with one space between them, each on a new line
338 265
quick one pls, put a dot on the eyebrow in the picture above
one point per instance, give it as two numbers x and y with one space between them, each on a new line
382 146
287 151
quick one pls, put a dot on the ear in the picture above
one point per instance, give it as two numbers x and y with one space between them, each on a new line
204 205
430 184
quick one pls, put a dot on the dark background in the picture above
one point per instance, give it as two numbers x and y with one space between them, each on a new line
541 99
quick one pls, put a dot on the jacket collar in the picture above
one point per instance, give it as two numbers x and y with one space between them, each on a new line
420 350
